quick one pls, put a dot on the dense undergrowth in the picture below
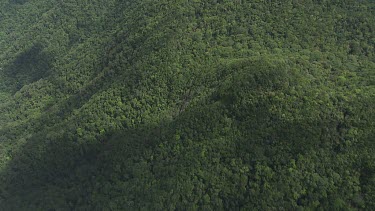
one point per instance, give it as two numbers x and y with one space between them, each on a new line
165 105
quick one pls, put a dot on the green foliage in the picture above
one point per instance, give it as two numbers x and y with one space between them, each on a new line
187 105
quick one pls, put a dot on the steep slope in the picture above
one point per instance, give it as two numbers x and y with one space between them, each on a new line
186 105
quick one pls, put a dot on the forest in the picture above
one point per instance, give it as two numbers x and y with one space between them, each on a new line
187 105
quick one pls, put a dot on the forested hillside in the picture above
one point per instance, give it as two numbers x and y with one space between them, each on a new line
187 105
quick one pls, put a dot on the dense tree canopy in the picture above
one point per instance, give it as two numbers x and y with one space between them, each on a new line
187 105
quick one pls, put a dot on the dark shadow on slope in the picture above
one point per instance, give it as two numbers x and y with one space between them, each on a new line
62 174
49 174
29 66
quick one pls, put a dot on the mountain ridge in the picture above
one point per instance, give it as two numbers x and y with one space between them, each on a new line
186 105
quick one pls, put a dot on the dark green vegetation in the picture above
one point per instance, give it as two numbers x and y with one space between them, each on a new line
164 105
